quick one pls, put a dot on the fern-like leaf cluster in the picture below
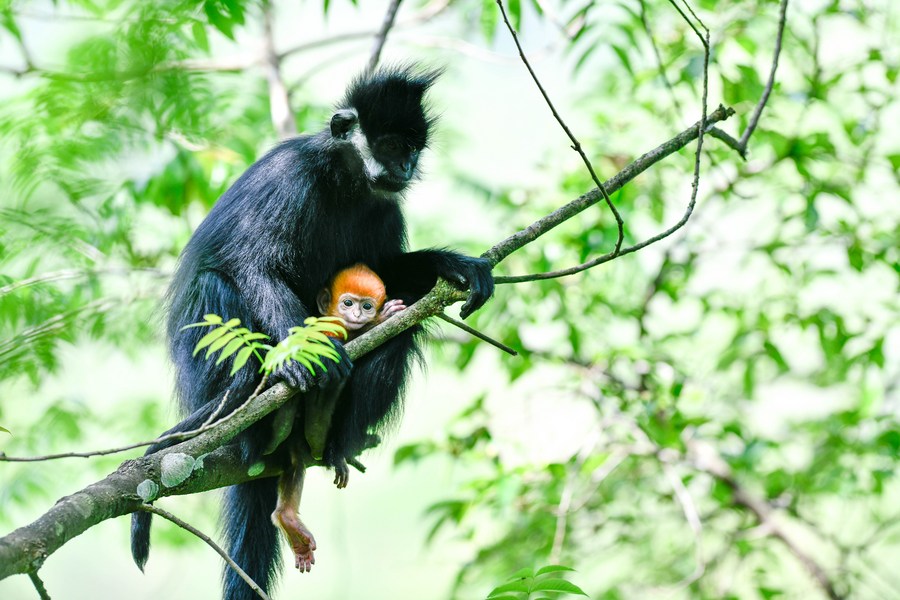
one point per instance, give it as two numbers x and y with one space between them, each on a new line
307 345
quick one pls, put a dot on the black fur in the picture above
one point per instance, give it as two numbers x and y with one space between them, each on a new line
297 216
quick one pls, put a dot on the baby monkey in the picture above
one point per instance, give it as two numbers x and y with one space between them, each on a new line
357 296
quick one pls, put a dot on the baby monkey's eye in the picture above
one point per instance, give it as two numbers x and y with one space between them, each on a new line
368 306
348 302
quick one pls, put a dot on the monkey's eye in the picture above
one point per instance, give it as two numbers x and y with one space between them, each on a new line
348 302
391 145
368 306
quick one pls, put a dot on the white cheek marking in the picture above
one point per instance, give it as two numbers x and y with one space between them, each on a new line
373 167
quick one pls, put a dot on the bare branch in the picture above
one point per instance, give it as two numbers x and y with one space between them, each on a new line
39 585
754 120
699 129
188 527
729 141
576 145
179 435
381 38
279 96
612 185
476 333
645 23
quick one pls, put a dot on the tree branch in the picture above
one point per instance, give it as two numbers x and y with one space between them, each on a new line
612 185
754 120
25 549
707 459
188 527
381 38
576 145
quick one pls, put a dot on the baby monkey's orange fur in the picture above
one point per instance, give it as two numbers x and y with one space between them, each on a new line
357 296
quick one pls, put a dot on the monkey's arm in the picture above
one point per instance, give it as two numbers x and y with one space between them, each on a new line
413 274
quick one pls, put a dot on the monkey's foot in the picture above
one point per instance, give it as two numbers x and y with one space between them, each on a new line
341 474
299 537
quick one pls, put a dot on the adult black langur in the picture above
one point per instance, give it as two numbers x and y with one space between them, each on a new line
313 205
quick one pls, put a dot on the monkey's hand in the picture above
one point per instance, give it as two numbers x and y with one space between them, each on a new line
299 377
473 274
391 308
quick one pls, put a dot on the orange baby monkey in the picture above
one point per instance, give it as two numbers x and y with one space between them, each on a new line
357 296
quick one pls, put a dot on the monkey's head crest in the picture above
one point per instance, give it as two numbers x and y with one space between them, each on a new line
391 101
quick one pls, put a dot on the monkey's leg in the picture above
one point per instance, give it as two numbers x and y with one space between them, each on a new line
319 409
287 516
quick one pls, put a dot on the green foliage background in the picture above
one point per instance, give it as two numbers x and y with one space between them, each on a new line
763 339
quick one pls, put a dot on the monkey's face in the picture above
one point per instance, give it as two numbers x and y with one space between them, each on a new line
356 311
398 158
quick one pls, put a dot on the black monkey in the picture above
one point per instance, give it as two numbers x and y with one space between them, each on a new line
310 207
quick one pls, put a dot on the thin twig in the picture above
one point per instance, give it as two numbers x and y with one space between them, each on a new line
698 131
179 435
279 95
478 334
729 141
754 120
188 527
576 145
659 61
39 585
545 224
381 38
429 12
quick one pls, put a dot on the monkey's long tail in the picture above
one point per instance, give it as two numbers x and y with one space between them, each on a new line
140 520
252 538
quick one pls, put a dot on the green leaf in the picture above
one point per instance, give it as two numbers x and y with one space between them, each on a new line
220 342
230 349
211 318
5 430
255 336
557 585
315 359
773 353
199 32
303 361
513 586
490 16
552 569
240 360
209 338
522 573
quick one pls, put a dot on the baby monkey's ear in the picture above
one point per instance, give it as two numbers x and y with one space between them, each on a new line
323 299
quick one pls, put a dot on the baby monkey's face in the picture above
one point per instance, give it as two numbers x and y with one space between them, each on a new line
356 311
